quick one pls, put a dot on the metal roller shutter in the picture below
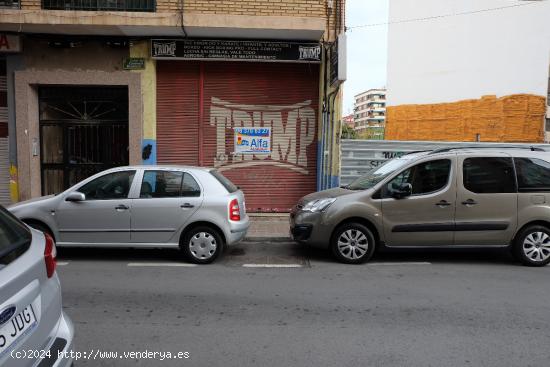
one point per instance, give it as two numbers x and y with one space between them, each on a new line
5 198
232 94
177 113
4 173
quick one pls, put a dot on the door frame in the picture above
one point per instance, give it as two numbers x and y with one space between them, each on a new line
27 110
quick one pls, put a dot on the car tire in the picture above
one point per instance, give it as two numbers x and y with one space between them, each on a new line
532 246
202 244
353 243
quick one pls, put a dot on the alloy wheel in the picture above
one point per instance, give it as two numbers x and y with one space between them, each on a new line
536 246
353 244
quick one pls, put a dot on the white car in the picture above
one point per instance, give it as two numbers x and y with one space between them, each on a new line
34 330
195 209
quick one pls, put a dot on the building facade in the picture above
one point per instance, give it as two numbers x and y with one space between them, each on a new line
468 71
97 85
370 113
349 120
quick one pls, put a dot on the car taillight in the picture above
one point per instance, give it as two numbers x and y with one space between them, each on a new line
50 255
234 212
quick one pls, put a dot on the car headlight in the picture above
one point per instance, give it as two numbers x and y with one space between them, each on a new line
318 205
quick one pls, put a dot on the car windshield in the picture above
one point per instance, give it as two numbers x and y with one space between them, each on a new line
375 176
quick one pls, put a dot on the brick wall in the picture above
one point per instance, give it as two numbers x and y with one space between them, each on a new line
31 4
297 8
302 8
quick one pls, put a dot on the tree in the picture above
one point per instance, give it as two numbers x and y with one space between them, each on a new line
348 132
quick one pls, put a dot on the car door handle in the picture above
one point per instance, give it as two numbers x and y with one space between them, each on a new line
187 206
443 203
469 202
121 207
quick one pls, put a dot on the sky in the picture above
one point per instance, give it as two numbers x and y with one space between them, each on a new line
367 48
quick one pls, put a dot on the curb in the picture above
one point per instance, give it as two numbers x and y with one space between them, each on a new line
267 239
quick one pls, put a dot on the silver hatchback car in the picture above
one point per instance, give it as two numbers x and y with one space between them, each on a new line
195 209
34 331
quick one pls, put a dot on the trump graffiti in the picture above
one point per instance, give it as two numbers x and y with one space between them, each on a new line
292 130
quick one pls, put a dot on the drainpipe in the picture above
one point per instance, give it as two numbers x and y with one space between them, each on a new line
332 137
13 63
322 140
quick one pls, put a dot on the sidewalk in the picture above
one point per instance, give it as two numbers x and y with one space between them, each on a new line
268 227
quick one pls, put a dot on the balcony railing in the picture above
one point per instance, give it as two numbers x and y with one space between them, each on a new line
10 4
98 5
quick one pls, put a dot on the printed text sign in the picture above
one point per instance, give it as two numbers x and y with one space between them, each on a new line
253 140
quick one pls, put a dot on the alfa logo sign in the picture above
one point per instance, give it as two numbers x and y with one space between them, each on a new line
253 140
10 43
236 50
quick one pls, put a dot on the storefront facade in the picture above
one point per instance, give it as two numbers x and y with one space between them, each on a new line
150 90
205 99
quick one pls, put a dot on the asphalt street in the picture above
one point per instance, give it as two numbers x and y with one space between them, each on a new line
405 308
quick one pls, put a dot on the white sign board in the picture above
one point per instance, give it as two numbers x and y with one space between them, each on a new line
252 140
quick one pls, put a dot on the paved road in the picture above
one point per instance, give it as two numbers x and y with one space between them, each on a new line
406 308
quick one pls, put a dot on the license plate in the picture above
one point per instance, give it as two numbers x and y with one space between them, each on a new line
16 328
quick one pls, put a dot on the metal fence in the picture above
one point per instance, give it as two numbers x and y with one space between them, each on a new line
361 156
113 5
10 4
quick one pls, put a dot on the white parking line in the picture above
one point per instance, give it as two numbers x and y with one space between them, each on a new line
182 265
62 263
272 266
400 263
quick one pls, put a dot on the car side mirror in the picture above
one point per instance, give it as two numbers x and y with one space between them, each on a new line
401 191
75 196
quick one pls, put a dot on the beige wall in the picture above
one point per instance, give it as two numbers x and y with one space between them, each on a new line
77 66
91 56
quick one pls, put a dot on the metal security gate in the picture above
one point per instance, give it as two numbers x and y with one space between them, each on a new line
200 103
83 130
5 197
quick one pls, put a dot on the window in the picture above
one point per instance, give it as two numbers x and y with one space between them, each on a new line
533 174
489 175
15 238
190 187
425 178
7 4
168 184
229 186
114 185
110 5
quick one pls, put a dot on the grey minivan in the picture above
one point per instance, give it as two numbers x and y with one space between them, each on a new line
195 209
34 330
451 197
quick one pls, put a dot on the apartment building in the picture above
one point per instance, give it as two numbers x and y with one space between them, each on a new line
370 113
92 84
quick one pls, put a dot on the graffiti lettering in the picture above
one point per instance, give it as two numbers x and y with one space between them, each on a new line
390 155
293 130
